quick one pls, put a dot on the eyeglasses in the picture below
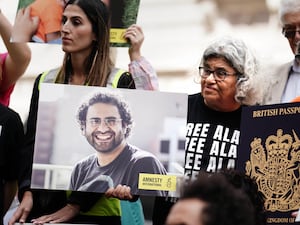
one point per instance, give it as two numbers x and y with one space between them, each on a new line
109 121
290 32
218 74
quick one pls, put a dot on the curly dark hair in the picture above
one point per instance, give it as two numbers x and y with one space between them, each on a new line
240 180
226 205
107 98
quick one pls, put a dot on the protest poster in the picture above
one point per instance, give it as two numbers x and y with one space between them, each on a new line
154 121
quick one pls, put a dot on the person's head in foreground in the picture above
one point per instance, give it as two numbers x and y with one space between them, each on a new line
227 74
247 184
211 200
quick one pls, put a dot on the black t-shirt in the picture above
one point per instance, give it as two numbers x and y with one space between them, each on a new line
212 137
11 140
211 143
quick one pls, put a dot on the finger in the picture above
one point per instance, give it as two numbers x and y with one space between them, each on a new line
20 12
37 220
26 11
57 220
109 192
294 214
139 29
24 216
128 193
130 34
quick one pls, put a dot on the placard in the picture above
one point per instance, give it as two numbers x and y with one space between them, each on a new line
66 147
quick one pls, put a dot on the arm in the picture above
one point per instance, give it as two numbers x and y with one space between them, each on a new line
23 209
142 71
10 190
18 58
24 178
11 140
12 136
78 201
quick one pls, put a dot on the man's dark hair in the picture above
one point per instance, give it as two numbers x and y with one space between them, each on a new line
111 99
226 205
240 180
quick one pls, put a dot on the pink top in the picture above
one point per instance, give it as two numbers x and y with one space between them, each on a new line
143 74
5 95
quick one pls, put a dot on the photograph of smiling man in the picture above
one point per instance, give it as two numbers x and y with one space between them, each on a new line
98 140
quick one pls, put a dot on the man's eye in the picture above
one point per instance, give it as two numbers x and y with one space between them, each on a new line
111 121
95 121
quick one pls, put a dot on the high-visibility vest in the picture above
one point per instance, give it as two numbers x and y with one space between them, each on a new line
113 79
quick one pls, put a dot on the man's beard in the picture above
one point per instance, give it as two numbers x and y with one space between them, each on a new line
105 142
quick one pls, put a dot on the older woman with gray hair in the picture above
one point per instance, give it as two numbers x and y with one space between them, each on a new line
228 74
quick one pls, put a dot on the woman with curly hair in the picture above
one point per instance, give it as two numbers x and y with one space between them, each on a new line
229 79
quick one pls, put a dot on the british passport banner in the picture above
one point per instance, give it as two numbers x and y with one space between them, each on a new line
269 151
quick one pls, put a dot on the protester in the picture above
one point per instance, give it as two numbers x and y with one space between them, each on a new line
284 80
229 78
87 61
211 200
13 63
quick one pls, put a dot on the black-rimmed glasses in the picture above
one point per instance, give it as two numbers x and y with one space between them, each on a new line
109 121
290 32
218 74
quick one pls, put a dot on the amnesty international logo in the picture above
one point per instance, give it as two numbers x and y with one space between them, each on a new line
276 169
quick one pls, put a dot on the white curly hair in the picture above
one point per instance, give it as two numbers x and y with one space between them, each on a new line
242 59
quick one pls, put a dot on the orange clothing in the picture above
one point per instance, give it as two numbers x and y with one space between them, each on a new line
297 99
50 14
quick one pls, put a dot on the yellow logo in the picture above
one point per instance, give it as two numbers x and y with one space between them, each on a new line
116 35
157 182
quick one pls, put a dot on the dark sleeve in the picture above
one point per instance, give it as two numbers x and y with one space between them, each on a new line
28 146
11 140
126 81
